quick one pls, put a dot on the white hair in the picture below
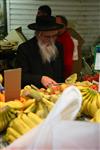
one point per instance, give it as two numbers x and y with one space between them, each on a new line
48 51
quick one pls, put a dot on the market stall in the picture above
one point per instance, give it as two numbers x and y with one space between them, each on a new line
73 105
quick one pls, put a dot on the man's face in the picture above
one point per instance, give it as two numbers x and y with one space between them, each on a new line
46 42
47 36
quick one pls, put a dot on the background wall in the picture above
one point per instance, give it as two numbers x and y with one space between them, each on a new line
83 16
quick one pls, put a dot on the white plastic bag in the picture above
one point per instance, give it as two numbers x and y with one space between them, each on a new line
57 132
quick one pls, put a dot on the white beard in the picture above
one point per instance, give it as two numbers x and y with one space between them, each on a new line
48 52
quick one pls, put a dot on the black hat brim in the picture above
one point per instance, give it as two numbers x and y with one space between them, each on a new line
36 27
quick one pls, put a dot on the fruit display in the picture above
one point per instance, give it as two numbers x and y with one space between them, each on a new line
91 101
90 78
6 115
18 116
20 125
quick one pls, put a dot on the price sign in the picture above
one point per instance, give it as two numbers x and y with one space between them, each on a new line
97 58
12 84
97 62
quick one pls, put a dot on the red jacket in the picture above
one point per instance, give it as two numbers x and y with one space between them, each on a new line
68 45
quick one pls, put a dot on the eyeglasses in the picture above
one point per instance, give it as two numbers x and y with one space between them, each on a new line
50 36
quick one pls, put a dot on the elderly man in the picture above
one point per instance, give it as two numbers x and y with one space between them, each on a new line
41 58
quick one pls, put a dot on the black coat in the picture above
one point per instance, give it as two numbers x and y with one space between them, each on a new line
29 59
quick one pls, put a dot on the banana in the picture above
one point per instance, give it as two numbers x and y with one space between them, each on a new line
97 116
35 118
11 115
86 96
28 103
48 104
41 112
86 99
45 108
93 106
27 87
31 108
33 93
83 107
10 138
3 118
9 118
98 100
2 104
28 121
89 104
82 89
13 132
54 97
14 111
16 104
19 126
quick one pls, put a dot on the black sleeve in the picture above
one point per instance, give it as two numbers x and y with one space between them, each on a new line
22 61
61 53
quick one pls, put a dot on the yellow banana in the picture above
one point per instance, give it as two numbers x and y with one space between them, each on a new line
35 94
17 124
28 103
41 111
97 116
3 118
83 89
48 104
28 121
54 97
11 115
8 117
10 138
2 104
93 106
89 104
35 118
83 107
13 132
31 108
16 104
98 100
27 87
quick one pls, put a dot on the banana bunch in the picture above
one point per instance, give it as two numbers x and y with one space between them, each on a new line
37 94
28 91
29 106
91 101
15 104
48 104
44 107
41 110
96 117
20 125
6 115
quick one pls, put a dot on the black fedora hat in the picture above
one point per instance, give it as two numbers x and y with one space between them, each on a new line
45 23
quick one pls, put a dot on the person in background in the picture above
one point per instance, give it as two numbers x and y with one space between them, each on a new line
41 57
44 10
65 39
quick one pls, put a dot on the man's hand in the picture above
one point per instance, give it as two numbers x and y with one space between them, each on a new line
47 81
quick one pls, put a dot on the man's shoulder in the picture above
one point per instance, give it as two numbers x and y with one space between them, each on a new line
28 42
